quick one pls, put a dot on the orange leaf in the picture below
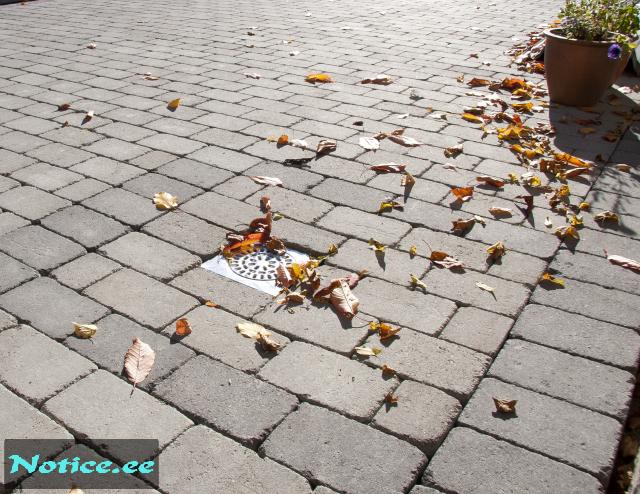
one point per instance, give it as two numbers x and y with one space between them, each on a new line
183 328
475 82
322 78
490 180
469 117
462 193
513 83
173 104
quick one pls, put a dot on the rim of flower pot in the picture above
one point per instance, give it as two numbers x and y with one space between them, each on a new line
555 33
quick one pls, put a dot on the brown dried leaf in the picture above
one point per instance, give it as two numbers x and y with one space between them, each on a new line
265 204
388 168
624 262
461 225
388 370
326 146
266 180
138 362
84 331
64 107
268 343
462 193
490 181
283 278
496 251
165 201
448 262
453 151
283 140
565 232
476 82
407 181
607 216
183 328
505 406
496 211
403 140
210 303
173 104
391 399
292 298
381 79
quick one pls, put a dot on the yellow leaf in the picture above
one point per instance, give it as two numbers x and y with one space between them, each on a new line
384 330
84 331
584 206
389 206
322 78
607 216
623 168
415 282
513 178
210 303
576 220
368 352
413 250
472 118
522 107
173 104
183 328
496 251
505 406
165 201
549 278
333 250
564 232
377 246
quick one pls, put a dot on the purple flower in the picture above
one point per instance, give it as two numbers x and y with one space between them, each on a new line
615 52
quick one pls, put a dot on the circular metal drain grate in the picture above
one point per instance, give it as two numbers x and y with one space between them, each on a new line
259 265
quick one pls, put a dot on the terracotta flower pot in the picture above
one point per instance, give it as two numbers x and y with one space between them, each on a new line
579 72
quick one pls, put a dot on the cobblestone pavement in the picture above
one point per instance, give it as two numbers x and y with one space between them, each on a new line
82 241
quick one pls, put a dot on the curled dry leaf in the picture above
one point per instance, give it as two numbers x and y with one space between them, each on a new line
490 181
173 104
283 140
389 205
407 181
453 151
341 297
260 334
416 283
413 250
326 146
384 331
368 352
504 212
268 343
377 246
381 79
549 278
64 107
505 406
88 116
584 206
183 328
624 262
299 143
485 287
266 180
480 219
165 201
388 370
292 298
607 216
476 82
210 303
461 225
576 220
623 168
462 193
91 46
448 262
138 362
84 331
265 204
252 75
274 244
403 140
388 168
547 222
369 143
318 78
283 278
496 251
565 232
391 399
469 117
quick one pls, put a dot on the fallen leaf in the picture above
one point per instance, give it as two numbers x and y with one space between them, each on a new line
368 352
496 251
406 141
173 104
341 297
292 298
413 250
65 124
381 79
460 78
389 205
513 83
388 168
496 211
91 46
490 181
283 278
402 116
268 343
505 406
265 204
484 287
377 246
522 107
476 82
585 131
565 232
453 151
64 107
576 220
84 331
149 77
547 222
462 193
252 75
326 146
266 180
369 143
250 329
138 362
274 244
388 370
584 206
88 116
549 278
321 78
573 160
624 262
294 53
391 399
448 262
607 216
283 140
210 303
407 181
623 168
480 219
183 328
299 143
416 283
461 225
332 250
165 201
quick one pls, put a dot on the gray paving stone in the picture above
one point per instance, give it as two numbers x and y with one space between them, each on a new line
124 206
145 300
50 307
72 136
7 183
477 329
470 462
304 237
224 158
19 420
187 465
84 271
226 391
364 225
32 125
146 416
19 142
224 138
131 116
416 356
171 144
125 131
293 204
175 127
151 183
152 160
7 320
425 190
87 227
45 176
149 255
238 187
579 335
555 428
30 202
592 385
10 222
13 273
116 149
296 179
195 173
10 161
421 489
39 248
594 301
347 194
423 415
222 211
107 170
31 364
83 189
342 453
114 336
336 382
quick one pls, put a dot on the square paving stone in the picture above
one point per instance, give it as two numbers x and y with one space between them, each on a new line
472 462
60 154
84 271
333 381
150 255
477 329
115 333
45 176
228 400
364 226
10 222
19 420
423 416
555 428
416 356
592 385
188 232
195 173
30 202
146 417
40 248
50 307
579 335
116 149
150 184
124 206
144 299
186 465
13 273
30 364
107 170
83 189
87 227
343 454
214 334
228 294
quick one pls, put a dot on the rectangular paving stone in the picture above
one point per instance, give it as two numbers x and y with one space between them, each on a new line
195 173
591 300
30 202
579 335
30 364
10 222
150 184
81 190
226 391
343 454
224 158
125 131
13 273
364 226
304 237
84 271
72 136
592 385
477 329
555 428
345 193
144 299
107 170
124 206
171 144
39 248
471 462
333 381
116 149
45 176
20 142
147 417
60 154
186 464
416 356
10 161
152 160
222 211
50 307
293 204
114 336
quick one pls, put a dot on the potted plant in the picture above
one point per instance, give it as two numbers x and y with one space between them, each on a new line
589 49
